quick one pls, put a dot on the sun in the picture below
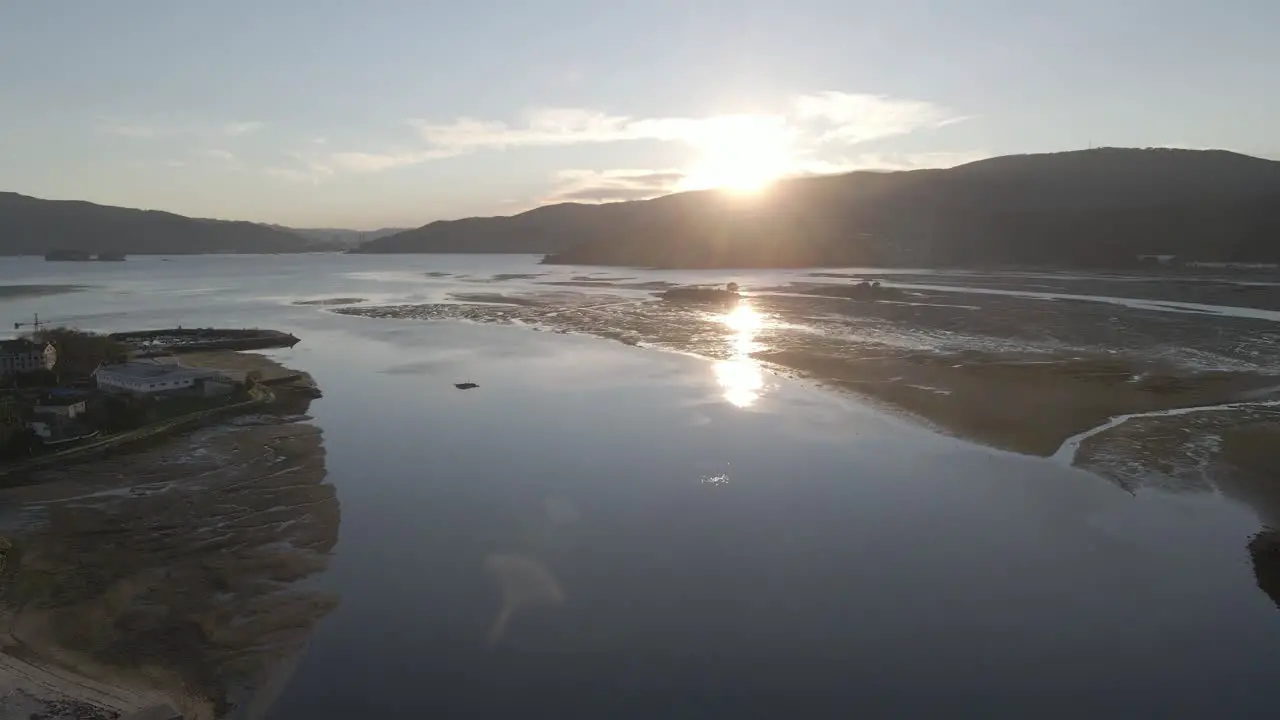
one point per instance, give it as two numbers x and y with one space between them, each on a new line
742 154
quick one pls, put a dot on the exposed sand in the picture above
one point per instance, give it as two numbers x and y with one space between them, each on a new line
237 363
1027 405
173 572
1019 373
1137 385
607 284
1023 375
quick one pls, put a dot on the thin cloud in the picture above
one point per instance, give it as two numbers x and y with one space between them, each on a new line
310 173
363 162
312 168
892 161
826 117
235 129
171 164
853 118
807 126
166 127
219 154
600 186
131 130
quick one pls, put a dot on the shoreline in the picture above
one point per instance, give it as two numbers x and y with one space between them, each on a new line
1019 398
198 538
1035 376
264 395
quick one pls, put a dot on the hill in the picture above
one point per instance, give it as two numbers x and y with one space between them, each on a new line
31 226
337 238
550 228
1099 207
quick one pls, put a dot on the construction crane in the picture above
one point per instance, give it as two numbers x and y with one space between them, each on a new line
35 324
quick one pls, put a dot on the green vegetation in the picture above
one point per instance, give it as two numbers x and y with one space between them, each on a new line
16 439
80 352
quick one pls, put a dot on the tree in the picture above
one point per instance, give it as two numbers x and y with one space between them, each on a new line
80 352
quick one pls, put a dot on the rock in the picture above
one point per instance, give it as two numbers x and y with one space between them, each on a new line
700 294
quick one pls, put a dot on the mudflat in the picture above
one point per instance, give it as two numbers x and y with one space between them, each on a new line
170 574
1012 361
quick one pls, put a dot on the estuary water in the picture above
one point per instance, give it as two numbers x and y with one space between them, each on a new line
600 530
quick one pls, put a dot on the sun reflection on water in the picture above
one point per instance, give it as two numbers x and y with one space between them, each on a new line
741 376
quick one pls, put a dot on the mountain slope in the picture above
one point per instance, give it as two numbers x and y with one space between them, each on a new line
1096 207
550 228
337 238
31 226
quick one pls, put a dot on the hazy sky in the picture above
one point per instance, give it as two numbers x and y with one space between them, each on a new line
398 112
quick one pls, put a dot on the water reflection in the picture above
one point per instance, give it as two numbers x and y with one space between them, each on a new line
741 377
177 570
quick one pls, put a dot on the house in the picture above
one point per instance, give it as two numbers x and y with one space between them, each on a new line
68 407
58 417
55 429
151 377
24 356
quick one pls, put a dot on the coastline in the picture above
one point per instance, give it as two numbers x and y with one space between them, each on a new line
1009 370
229 514
262 395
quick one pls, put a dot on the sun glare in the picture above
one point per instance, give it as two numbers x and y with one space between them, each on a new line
742 154
740 376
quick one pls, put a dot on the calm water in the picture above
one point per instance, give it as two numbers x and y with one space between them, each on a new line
795 552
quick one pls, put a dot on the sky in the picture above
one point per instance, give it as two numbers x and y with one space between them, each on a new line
320 113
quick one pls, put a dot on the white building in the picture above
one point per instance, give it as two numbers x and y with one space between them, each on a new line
24 356
148 377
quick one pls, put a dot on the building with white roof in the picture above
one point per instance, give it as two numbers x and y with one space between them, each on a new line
147 377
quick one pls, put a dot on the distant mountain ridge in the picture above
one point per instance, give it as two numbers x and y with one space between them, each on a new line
337 238
549 228
1100 207
32 226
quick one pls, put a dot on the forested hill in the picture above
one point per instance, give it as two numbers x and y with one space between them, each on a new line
1101 207
31 226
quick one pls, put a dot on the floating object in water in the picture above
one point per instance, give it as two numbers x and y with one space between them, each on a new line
466 386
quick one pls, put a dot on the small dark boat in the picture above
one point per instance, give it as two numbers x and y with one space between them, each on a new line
466 386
